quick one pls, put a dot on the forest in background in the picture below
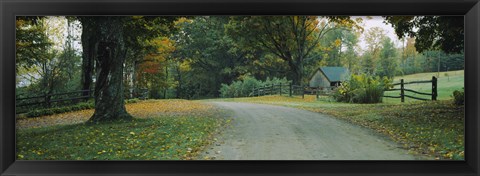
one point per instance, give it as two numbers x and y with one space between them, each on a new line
195 57
190 57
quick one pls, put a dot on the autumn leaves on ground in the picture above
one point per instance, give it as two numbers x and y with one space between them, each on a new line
181 129
162 130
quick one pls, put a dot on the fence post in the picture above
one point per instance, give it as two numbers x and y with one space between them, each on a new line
303 92
253 91
290 92
434 88
47 100
280 89
317 92
267 87
272 90
264 90
402 92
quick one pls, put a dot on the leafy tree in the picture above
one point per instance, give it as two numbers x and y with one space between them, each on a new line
31 42
340 48
110 38
373 39
387 62
290 38
212 57
349 57
140 39
332 43
152 72
409 57
444 33
436 61
55 62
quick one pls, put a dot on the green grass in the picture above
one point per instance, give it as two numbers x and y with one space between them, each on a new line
155 138
431 129
447 83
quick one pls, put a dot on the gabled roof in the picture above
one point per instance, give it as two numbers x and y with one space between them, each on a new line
335 74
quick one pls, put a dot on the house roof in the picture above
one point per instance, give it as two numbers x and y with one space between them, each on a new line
335 74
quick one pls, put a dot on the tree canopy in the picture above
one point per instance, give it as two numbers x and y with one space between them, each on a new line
444 33
165 57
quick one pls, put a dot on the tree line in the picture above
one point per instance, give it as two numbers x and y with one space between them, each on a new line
191 57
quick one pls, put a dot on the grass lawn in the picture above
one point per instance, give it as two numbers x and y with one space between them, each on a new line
447 83
433 129
161 130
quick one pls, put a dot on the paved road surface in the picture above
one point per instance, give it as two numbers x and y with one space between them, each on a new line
267 132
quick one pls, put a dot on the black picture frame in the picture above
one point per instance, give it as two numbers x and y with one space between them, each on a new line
11 8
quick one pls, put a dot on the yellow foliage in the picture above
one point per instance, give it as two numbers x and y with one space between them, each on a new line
337 42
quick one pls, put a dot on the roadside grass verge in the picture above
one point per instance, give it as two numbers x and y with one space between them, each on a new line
161 130
433 128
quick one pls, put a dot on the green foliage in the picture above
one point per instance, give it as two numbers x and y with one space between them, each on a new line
207 57
290 39
362 89
243 88
459 97
31 41
434 61
387 63
50 69
444 33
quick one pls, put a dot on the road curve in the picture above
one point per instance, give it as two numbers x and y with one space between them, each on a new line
267 132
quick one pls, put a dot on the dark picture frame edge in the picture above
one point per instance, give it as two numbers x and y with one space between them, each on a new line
9 9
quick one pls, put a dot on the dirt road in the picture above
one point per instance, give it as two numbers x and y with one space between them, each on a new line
267 132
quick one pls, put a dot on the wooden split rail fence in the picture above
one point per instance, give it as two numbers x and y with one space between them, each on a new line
402 90
284 89
24 104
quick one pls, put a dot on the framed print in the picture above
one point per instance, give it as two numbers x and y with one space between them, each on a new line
239 87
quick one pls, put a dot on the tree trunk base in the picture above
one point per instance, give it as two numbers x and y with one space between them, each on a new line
122 117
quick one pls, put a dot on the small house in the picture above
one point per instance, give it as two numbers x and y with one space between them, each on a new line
326 77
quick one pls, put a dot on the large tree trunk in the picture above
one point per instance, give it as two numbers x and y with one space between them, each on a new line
89 46
297 76
109 97
297 70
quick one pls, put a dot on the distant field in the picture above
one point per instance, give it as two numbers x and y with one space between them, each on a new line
447 83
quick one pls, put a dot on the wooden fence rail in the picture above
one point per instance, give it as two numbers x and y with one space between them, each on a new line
279 89
288 89
402 90
26 104
47 100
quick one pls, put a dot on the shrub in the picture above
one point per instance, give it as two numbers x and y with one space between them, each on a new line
459 97
243 88
362 89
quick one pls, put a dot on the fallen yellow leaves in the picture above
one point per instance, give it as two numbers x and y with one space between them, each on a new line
142 109
174 107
